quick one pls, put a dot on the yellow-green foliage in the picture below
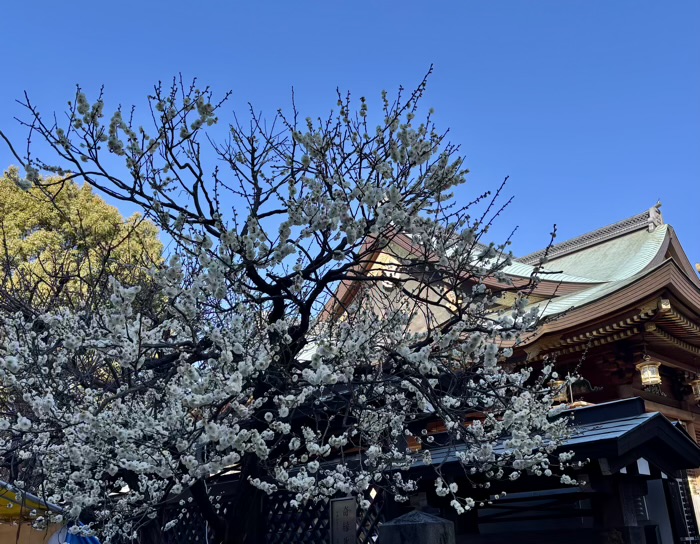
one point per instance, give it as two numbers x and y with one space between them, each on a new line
60 245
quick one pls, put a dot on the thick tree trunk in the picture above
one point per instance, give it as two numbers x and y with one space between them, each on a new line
151 533
243 522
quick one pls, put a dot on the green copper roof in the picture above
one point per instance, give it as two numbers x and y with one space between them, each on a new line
558 305
525 271
616 259
612 265
612 260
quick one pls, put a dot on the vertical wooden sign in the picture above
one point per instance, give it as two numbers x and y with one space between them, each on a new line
343 521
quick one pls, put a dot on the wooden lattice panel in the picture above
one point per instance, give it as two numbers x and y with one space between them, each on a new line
284 524
369 520
310 524
190 529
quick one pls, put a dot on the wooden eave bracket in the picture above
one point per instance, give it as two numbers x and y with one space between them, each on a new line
613 332
654 330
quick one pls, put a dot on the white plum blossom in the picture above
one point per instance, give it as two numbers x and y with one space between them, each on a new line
271 345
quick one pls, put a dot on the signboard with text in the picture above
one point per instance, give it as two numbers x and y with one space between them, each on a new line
343 521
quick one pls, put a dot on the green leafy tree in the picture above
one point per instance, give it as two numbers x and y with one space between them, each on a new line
60 243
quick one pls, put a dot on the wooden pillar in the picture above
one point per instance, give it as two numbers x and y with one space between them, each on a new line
618 508
683 521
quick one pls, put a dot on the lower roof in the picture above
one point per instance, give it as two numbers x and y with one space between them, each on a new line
618 433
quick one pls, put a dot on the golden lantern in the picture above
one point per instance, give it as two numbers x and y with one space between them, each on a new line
695 386
650 371
559 387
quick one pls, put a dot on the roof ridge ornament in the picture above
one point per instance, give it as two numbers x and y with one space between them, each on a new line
655 218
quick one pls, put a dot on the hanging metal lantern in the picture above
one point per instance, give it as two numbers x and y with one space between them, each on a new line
559 388
695 386
650 371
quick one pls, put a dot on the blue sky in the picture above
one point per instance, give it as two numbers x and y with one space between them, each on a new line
592 107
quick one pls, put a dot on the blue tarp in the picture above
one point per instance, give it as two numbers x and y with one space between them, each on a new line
76 539
64 537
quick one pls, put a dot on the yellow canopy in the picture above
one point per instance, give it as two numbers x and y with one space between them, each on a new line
16 515
16 508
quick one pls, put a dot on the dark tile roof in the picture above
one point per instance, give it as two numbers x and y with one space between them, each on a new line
619 432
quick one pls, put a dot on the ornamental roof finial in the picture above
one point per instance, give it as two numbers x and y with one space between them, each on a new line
655 218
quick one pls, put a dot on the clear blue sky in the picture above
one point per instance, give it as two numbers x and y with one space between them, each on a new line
591 106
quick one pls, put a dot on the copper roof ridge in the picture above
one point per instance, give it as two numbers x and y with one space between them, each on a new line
649 219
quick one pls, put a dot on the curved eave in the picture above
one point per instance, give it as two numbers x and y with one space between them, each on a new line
666 276
675 252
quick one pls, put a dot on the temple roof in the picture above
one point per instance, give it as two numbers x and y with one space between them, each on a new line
633 280
615 259
648 220
610 258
